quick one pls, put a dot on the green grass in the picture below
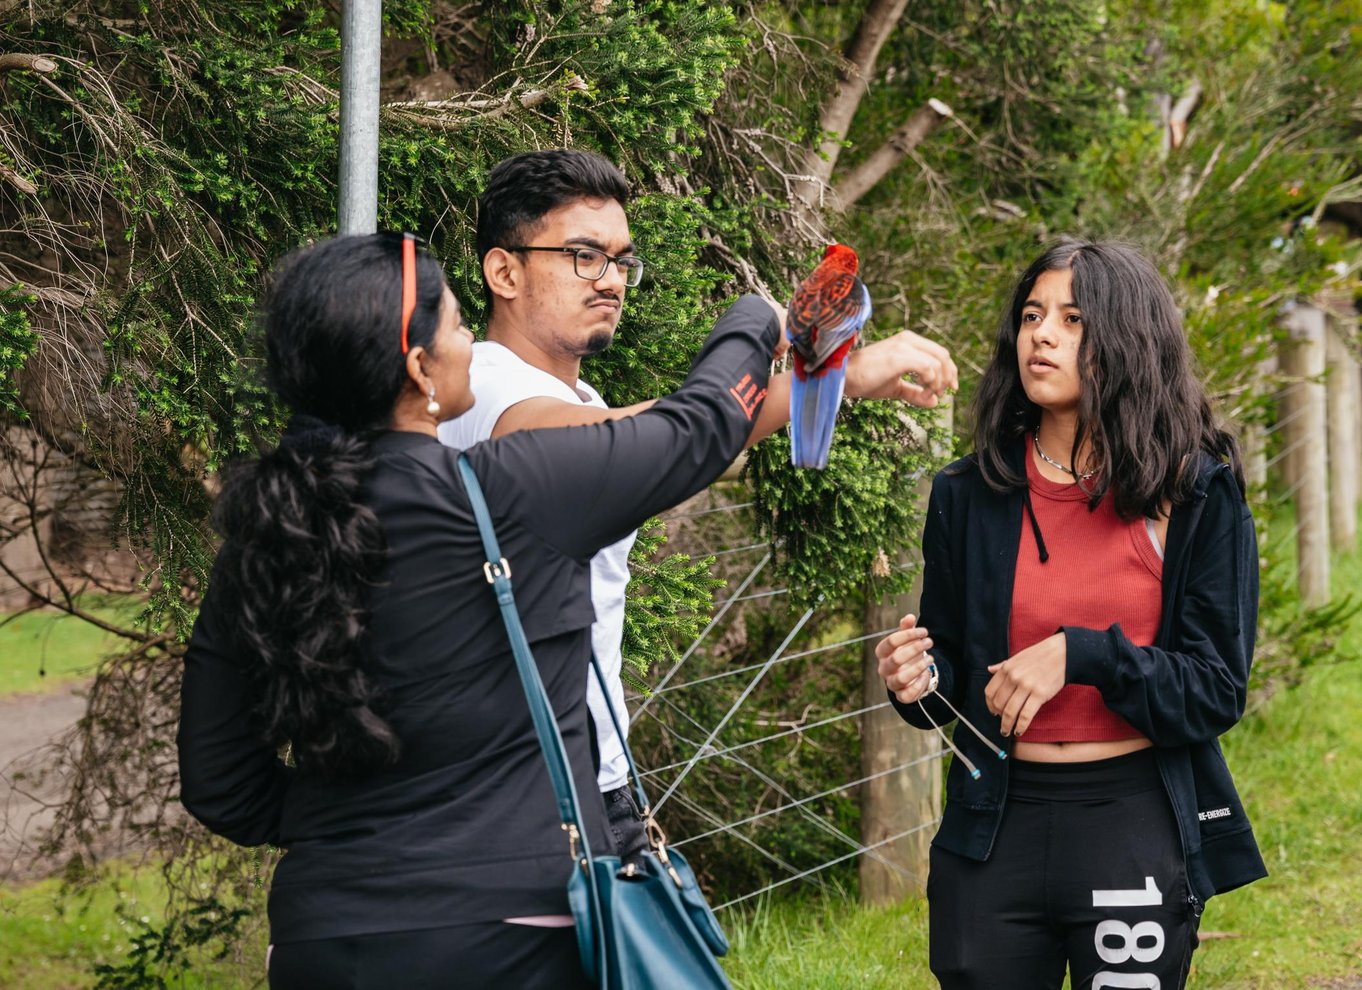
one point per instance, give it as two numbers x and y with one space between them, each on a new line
53 935
829 942
46 650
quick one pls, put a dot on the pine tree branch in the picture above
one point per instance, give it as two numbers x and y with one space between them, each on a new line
887 156
440 114
17 180
19 61
837 112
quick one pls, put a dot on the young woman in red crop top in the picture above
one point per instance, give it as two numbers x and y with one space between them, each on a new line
1097 683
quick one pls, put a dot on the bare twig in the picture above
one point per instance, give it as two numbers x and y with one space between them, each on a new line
451 115
17 180
19 61
1178 116
887 156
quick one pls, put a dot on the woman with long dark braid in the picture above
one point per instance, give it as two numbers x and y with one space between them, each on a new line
348 622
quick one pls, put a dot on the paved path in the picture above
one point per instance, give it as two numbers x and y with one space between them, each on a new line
27 724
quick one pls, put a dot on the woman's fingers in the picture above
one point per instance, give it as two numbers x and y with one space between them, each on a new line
902 659
1028 712
907 631
915 689
905 663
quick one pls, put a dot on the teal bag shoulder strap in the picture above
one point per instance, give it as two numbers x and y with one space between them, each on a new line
623 738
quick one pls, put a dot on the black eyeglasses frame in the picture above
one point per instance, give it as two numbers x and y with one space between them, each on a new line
631 265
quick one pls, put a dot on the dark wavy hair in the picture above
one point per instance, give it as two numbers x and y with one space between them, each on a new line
301 551
523 188
1142 406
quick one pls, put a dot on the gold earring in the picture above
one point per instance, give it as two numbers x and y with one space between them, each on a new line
432 407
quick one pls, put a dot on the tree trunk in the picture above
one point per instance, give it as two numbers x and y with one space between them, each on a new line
1253 436
834 121
1307 464
1344 441
887 156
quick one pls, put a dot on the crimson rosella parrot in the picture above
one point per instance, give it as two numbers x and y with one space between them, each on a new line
825 319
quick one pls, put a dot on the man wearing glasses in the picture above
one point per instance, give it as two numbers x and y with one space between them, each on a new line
557 258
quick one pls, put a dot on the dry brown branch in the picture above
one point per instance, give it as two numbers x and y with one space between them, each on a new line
18 61
838 110
453 114
17 180
887 156
1177 114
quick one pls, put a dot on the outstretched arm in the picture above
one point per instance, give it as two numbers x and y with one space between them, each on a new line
880 370
905 367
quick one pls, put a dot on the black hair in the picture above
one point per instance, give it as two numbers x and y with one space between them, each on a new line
301 550
523 188
1142 407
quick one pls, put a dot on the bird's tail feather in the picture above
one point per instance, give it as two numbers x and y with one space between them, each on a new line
813 413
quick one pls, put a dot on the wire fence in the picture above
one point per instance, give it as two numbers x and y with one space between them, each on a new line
751 752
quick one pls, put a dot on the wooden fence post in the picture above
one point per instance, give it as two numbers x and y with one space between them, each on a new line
1253 436
904 799
1306 428
1343 387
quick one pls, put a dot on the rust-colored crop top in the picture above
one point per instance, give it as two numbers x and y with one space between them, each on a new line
1101 570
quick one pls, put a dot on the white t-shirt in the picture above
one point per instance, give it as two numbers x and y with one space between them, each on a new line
500 379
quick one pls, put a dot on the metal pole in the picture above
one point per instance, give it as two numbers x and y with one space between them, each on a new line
361 42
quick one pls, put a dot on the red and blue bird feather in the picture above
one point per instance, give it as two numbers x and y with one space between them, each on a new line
825 319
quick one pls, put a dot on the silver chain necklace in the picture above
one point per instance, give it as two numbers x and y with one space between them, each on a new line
1035 437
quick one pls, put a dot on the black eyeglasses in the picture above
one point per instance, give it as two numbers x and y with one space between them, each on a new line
590 264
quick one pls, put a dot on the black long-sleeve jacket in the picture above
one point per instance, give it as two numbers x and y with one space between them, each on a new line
464 826
1183 692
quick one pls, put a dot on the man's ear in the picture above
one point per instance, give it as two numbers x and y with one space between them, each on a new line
503 273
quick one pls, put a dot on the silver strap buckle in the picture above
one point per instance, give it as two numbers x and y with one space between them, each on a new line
493 571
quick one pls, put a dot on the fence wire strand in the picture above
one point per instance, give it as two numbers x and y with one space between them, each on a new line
800 805
700 752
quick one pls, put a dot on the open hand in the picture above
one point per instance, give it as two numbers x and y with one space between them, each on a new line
881 370
903 660
1025 681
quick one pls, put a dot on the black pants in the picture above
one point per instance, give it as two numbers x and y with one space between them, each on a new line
1086 872
486 956
626 824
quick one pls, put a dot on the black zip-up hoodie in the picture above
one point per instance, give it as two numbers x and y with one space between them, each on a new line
1182 693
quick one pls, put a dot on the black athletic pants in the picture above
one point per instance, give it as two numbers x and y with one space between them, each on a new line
1086 872
485 956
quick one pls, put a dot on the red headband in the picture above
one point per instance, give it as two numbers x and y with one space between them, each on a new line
408 285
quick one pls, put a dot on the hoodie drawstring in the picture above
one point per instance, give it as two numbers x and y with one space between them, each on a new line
1035 526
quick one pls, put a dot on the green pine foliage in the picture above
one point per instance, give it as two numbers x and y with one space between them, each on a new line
18 341
835 531
204 139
